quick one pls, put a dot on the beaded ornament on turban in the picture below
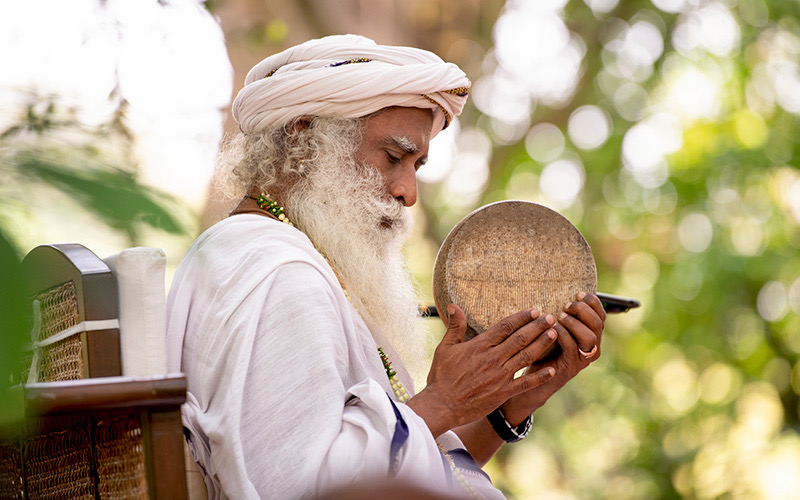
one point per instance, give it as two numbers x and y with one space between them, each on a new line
348 76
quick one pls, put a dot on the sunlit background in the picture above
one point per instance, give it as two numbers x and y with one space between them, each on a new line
666 130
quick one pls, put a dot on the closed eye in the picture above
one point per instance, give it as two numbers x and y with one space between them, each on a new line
392 158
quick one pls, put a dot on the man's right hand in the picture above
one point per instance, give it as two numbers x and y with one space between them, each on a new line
469 379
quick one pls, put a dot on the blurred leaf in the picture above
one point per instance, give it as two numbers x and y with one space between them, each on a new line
12 328
112 195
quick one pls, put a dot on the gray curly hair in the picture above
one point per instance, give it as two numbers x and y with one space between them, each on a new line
259 161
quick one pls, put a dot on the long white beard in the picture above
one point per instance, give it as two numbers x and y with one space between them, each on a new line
345 212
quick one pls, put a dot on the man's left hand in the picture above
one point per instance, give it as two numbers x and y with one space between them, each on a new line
580 330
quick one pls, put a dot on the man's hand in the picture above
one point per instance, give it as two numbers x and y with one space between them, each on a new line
580 328
470 379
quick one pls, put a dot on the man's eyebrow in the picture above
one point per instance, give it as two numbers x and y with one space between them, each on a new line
405 144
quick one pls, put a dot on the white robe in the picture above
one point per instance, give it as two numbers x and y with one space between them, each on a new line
287 394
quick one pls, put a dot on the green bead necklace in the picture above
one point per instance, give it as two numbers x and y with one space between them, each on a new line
271 206
397 386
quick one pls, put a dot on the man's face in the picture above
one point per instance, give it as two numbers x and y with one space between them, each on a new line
395 142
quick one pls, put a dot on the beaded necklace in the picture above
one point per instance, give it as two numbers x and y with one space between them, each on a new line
458 475
272 207
397 386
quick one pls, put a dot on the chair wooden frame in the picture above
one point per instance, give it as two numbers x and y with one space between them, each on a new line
49 266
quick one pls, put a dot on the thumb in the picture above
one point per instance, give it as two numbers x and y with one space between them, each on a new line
456 325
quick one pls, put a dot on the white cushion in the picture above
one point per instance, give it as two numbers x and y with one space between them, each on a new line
140 275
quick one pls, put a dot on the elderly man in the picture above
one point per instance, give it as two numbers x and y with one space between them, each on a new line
295 319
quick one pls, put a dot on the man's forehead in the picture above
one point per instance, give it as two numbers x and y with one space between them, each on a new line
407 128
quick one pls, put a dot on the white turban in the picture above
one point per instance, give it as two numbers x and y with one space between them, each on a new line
348 76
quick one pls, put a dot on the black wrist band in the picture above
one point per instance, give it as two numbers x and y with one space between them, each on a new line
503 429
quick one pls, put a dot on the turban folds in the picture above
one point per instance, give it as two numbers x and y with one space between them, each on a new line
348 76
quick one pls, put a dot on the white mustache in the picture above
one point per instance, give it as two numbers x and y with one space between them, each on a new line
389 212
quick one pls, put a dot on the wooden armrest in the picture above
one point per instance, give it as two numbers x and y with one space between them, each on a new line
104 394
101 437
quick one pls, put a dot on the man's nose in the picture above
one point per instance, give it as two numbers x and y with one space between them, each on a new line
403 187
